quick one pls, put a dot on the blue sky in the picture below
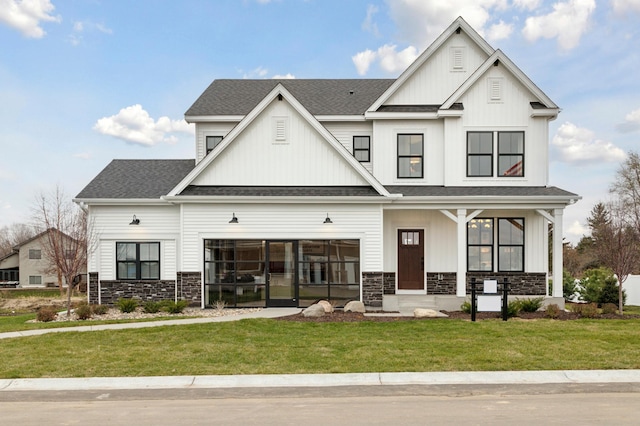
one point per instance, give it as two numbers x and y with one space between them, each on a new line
85 81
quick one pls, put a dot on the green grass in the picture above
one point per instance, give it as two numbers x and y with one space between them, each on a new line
29 292
276 347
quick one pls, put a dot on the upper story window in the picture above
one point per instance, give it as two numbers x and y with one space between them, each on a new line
212 142
510 248
410 155
480 158
35 254
138 261
362 148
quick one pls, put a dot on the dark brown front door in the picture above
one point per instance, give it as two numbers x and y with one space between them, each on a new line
410 259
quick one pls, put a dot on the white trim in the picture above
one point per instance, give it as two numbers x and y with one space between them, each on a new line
340 118
211 118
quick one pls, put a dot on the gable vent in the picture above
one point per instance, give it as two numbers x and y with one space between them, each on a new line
280 131
495 89
280 127
457 59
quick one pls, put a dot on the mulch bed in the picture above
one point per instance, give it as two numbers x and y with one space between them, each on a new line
340 316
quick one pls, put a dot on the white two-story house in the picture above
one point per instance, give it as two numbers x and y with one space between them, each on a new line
395 192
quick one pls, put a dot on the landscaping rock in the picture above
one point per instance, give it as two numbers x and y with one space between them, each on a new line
425 313
313 311
326 305
354 306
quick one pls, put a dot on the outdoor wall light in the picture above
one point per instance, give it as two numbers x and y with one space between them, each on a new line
135 221
234 219
328 219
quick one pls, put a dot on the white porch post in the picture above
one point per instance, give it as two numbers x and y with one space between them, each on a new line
557 252
461 274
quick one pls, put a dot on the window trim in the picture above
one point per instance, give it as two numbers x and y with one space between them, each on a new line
409 156
521 155
138 262
501 219
35 254
480 155
367 150
496 154
492 245
206 142
39 279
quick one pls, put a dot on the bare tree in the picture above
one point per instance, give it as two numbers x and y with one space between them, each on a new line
68 239
14 234
615 242
626 189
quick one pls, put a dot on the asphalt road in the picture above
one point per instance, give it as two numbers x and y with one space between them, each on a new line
584 404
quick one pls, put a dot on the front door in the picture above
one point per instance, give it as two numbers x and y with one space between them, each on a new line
411 259
281 273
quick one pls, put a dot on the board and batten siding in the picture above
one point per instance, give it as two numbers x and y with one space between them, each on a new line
209 129
344 133
282 222
303 158
434 82
157 224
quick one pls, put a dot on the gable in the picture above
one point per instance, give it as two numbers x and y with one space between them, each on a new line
441 74
279 147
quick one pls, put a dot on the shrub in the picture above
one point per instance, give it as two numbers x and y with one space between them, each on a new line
600 286
466 307
531 305
552 311
513 308
46 313
152 307
569 286
609 293
609 308
83 311
99 309
127 305
220 304
586 310
176 307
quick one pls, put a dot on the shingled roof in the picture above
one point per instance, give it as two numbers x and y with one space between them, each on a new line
318 96
478 191
137 179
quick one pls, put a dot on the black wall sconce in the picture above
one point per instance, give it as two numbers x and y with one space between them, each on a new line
135 221
328 219
234 219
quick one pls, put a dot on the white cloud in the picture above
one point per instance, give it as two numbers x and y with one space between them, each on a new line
258 72
579 145
287 76
576 230
134 125
568 23
499 31
388 59
369 24
620 7
27 15
82 155
82 27
631 122
526 4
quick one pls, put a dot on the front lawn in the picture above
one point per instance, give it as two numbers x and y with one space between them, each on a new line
277 347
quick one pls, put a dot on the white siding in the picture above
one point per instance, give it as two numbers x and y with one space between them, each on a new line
282 221
344 133
255 158
435 81
157 223
209 129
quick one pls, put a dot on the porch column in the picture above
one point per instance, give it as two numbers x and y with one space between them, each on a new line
461 274
557 252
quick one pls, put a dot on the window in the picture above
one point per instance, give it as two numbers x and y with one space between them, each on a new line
410 238
35 280
479 154
480 245
212 142
362 148
410 155
510 153
480 148
35 254
511 245
138 261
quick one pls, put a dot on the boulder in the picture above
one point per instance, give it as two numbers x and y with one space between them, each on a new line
425 313
354 306
326 305
313 311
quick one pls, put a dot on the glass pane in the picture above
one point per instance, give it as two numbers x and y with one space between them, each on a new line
511 231
404 145
310 294
416 144
217 250
126 251
341 294
479 165
362 155
410 167
219 272
250 250
150 251
510 143
345 250
510 165
312 272
361 142
345 273
213 141
149 270
480 231
480 259
251 295
250 272
510 258
224 293
281 270
127 270
480 143
315 250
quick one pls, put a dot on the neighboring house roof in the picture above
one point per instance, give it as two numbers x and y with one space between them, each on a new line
318 96
126 179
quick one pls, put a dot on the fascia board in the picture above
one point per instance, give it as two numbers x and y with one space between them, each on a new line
545 112
120 201
211 118
340 118
401 115
195 199
480 201
433 47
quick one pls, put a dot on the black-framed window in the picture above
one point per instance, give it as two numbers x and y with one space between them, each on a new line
511 244
511 154
35 254
362 148
138 261
479 154
480 245
212 142
411 155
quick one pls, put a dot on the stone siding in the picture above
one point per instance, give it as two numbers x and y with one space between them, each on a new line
521 283
372 289
441 283
389 282
190 287
93 288
143 291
